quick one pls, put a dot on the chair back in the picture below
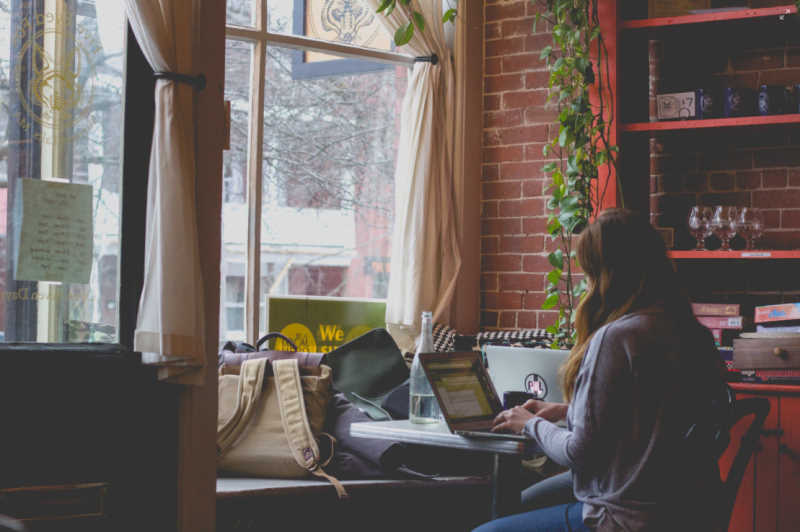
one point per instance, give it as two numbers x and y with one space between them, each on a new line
758 407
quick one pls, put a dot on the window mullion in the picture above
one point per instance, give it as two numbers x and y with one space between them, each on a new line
254 192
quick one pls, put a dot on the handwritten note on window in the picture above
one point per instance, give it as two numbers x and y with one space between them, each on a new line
56 235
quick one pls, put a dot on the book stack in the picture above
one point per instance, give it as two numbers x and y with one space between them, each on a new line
778 319
719 317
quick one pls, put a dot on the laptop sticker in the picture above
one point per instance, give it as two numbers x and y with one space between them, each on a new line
535 384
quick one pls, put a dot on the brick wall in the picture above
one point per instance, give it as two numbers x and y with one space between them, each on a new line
516 127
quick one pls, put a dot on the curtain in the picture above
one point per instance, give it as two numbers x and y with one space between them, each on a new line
169 328
426 259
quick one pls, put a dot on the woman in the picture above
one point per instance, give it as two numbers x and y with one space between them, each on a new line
642 372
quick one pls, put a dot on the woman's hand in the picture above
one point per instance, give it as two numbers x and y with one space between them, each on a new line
550 411
512 420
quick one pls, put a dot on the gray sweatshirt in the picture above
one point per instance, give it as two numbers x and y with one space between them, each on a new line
642 382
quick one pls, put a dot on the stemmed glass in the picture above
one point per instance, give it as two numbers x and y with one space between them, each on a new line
723 224
750 225
698 222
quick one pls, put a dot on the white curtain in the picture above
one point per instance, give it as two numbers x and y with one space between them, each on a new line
426 259
170 324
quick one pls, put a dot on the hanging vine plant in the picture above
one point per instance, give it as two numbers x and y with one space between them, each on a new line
578 64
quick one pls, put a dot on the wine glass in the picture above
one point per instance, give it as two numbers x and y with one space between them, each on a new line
756 227
698 225
724 224
744 225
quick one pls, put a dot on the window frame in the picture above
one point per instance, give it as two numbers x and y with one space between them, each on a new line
138 118
259 37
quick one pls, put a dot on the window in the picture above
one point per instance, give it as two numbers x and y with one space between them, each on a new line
62 91
315 95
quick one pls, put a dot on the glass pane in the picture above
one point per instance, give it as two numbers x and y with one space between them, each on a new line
241 12
349 22
328 198
234 317
238 57
61 79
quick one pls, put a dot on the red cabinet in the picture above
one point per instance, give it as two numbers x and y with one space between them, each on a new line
769 495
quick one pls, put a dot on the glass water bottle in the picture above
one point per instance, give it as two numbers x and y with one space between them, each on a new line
423 407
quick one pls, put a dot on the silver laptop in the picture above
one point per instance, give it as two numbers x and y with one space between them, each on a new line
468 401
526 369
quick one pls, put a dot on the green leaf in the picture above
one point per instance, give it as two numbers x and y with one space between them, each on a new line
404 34
384 5
556 258
449 15
536 21
419 20
549 167
552 329
562 137
546 52
550 302
554 276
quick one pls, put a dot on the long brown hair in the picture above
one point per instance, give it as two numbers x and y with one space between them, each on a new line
627 268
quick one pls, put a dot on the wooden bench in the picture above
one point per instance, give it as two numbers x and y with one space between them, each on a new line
447 504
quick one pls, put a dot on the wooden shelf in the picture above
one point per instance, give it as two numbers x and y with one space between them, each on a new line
754 254
702 18
741 121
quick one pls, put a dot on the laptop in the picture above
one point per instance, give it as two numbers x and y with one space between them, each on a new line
467 398
526 369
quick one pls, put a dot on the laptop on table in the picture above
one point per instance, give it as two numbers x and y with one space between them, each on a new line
466 395
534 370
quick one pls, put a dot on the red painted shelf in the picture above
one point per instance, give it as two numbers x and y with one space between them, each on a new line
700 18
736 254
740 121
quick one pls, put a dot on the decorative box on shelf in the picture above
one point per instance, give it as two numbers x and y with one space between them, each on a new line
676 105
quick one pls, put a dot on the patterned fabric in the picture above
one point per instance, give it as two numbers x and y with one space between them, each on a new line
444 337
520 337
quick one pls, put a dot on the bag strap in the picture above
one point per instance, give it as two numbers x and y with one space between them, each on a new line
251 381
302 444
269 336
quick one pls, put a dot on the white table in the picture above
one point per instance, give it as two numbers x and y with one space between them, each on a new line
507 454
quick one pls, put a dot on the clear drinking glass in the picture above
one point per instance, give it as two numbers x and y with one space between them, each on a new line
699 225
723 224
753 218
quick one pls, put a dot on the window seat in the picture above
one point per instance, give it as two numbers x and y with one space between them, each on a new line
448 503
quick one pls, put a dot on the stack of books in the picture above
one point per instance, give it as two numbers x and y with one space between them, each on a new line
778 319
724 320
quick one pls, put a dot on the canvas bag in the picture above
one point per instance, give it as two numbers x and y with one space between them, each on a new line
266 425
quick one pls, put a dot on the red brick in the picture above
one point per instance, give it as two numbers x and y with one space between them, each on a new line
492 30
758 60
534 188
502 190
790 219
737 160
534 300
793 57
508 320
504 46
532 207
489 281
510 300
490 171
526 320
772 218
537 42
503 154
794 177
507 82
519 62
784 76
534 225
493 65
775 178
546 318
781 240
490 244
489 300
488 319
520 244
492 138
537 80
510 118
489 209
527 98
522 26
536 264
777 157
519 281
716 182
546 113
748 180
501 226
523 134
510 209
502 263
491 102
521 170
505 10
776 198
534 151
